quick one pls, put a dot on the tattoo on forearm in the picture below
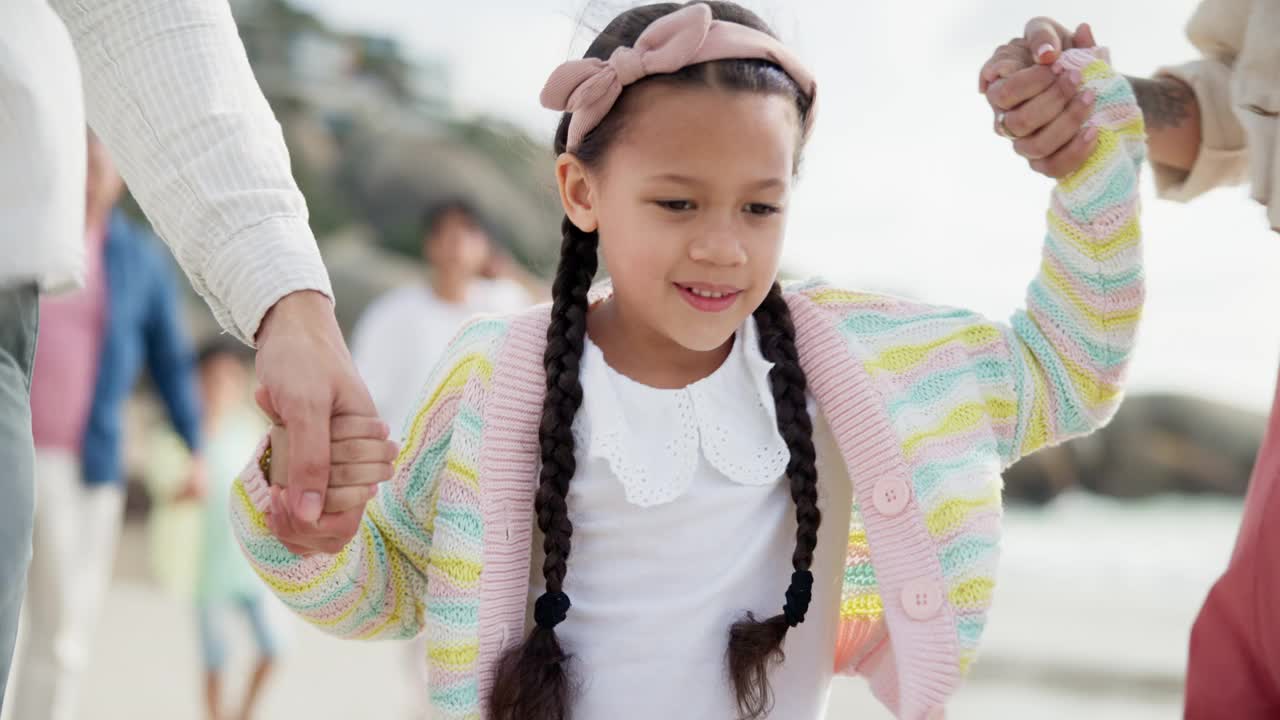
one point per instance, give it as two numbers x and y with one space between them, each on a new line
1165 102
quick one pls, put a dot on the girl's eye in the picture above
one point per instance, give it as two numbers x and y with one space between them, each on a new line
675 205
763 209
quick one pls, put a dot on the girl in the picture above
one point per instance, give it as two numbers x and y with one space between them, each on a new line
661 429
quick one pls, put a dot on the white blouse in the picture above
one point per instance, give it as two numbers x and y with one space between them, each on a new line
682 524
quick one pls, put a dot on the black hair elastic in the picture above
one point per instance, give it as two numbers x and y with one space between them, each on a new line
551 608
799 594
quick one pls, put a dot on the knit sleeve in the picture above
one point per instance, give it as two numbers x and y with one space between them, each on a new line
375 587
1070 347
968 396
1055 370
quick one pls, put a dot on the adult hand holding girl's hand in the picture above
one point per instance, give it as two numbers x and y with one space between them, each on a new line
360 459
1036 105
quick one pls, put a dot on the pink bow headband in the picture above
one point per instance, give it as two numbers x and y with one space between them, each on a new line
588 88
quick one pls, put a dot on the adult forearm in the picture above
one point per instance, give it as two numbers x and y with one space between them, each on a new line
169 89
1172 116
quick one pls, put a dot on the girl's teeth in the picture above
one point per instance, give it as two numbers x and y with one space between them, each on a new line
706 293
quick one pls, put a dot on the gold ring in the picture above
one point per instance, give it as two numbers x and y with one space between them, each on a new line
1003 129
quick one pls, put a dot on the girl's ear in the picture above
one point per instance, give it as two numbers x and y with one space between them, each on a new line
577 193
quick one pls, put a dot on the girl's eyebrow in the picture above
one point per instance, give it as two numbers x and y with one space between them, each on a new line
764 184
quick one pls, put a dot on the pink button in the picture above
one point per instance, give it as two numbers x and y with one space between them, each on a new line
891 496
921 599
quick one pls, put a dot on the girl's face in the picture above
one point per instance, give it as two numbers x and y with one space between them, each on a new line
690 202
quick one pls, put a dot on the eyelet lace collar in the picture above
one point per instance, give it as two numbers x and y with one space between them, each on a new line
651 438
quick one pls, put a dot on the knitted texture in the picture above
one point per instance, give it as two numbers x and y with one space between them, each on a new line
969 397
937 397
415 564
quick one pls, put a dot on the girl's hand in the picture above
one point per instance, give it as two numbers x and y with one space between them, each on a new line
1035 105
359 460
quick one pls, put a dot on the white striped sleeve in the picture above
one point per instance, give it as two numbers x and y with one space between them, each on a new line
169 89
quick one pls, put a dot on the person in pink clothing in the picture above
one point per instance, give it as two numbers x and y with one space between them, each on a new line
1211 122
66 579
94 346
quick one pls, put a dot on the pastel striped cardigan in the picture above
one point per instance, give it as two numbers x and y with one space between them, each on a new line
928 404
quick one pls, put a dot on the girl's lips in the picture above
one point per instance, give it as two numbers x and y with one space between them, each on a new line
728 296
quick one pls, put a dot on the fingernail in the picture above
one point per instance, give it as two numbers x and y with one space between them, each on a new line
1091 133
1045 49
1089 96
310 506
1057 69
1076 77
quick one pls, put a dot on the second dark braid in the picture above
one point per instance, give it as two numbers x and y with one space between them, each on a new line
756 645
789 386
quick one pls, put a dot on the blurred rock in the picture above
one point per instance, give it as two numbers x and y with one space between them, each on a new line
1155 444
392 175
375 138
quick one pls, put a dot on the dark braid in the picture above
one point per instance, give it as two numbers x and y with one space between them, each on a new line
755 645
532 680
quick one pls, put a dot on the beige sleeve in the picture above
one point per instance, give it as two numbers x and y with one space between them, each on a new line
1223 158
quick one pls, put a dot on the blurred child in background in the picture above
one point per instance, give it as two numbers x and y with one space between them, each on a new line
194 551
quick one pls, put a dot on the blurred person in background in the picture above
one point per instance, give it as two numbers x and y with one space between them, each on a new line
168 86
1211 122
193 553
404 332
224 581
93 345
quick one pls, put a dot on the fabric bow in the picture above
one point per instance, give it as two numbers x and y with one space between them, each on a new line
588 88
